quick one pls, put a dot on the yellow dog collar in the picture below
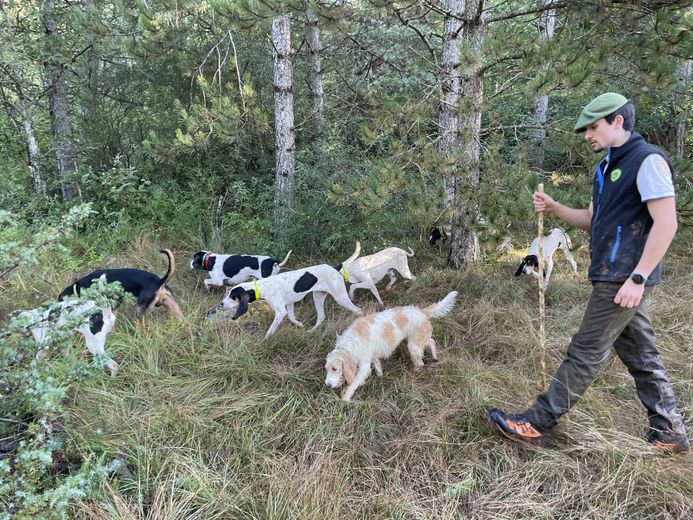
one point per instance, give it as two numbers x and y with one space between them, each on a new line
256 289
345 274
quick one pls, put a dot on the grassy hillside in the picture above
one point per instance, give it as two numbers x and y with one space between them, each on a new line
222 424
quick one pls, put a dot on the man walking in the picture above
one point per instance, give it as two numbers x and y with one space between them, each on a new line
632 220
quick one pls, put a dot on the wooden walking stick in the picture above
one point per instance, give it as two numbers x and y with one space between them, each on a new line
542 316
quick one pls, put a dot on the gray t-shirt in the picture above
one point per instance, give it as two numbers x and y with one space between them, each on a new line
654 179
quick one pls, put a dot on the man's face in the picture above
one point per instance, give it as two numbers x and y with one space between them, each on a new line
600 134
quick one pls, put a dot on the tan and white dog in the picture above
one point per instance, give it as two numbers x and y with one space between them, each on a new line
376 336
365 272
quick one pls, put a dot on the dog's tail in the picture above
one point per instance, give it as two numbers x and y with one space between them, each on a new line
286 258
410 253
356 254
443 307
171 266
568 242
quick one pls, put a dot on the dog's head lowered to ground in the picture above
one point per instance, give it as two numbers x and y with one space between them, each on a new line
149 289
376 336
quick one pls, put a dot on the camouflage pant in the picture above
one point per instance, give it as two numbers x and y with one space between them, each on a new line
629 331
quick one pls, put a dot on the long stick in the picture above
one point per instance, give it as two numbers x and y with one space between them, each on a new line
542 315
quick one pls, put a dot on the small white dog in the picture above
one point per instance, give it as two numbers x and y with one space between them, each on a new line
557 239
365 272
374 337
283 290
95 328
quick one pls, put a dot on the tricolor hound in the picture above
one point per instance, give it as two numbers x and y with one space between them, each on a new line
149 290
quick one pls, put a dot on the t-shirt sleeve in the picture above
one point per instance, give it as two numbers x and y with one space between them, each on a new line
654 179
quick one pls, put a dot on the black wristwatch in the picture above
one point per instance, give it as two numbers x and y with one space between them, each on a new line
638 278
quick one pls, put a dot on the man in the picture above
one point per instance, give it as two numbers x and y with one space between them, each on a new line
632 219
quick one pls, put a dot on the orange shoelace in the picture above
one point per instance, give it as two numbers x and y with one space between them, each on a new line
523 428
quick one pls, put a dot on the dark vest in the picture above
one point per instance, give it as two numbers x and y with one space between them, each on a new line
620 220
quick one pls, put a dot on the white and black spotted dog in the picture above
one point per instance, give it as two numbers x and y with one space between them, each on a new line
557 239
283 290
235 269
95 325
440 232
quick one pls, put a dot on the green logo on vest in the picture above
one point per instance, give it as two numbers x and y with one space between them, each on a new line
616 175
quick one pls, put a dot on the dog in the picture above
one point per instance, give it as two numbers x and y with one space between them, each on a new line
365 272
149 290
101 321
235 269
283 290
439 232
557 239
376 336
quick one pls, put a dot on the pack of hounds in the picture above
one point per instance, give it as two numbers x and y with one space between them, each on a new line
250 278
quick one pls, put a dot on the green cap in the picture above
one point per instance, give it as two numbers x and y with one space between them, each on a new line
599 107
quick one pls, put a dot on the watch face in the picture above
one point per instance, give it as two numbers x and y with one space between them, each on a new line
638 278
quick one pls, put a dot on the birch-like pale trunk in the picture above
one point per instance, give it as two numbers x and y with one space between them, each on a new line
685 82
19 105
449 80
32 147
464 245
547 22
284 123
58 106
315 71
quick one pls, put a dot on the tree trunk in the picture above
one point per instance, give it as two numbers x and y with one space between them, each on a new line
20 106
88 95
315 71
58 107
464 246
284 123
33 155
547 21
685 80
449 79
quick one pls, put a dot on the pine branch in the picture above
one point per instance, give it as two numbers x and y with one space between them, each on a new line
486 131
422 36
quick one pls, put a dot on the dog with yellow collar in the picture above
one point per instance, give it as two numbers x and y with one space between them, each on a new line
283 290
366 271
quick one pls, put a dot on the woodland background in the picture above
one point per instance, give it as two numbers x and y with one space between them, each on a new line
260 126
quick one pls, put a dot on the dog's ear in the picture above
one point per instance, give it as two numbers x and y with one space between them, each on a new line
348 367
242 302
521 268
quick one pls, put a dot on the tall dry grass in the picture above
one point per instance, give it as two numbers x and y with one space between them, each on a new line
221 424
